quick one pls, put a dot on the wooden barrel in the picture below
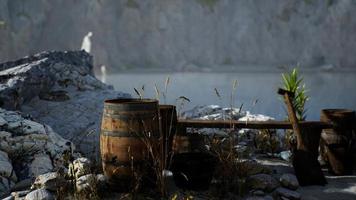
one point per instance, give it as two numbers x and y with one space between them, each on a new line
337 141
126 123
168 121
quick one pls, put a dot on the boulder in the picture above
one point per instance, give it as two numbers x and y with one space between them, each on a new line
6 169
288 194
40 194
264 182
5 186
50 181
79 167
289 181
58 89
9 198
86 183
41 164
20 194
29 148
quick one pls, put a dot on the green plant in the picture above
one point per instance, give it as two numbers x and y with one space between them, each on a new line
294 83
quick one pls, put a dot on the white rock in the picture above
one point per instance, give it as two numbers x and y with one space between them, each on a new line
4 146
289 194
289 181
80 167
5 186
50 181
31 127
9 198
86 182
40 194
6 169
2 121
286 155
4 134
40 165
255 117
19 194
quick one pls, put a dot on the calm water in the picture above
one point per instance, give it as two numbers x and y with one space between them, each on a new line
326 90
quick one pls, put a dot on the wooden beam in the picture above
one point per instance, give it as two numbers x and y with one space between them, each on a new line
250 124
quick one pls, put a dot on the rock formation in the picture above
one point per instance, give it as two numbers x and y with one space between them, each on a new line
58 89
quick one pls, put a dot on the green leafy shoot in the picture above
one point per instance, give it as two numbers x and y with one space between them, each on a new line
293 82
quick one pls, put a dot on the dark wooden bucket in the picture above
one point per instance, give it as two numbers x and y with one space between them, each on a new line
305 161
126 123
168 118
193 170
337 141
184 142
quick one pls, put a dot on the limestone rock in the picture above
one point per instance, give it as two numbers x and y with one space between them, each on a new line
6 169
40 165
40 194
50 181
9 198
86 182
58 89
5 186
79 167
19 194
289 181
28 148
289 194
263 182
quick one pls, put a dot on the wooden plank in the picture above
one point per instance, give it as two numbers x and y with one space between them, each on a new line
250 124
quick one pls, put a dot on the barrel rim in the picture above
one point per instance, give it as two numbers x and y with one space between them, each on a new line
130 101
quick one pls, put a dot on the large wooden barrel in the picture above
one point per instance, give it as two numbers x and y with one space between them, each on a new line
126 124
168 118
337 141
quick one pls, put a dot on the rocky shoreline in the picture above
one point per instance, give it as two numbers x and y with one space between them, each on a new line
51 107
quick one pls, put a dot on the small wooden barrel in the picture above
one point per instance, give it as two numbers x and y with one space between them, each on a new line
337 141
126 123
168 118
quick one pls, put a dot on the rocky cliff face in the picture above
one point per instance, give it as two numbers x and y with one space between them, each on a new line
58 89
177 34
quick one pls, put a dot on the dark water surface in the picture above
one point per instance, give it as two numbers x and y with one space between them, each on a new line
326 89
